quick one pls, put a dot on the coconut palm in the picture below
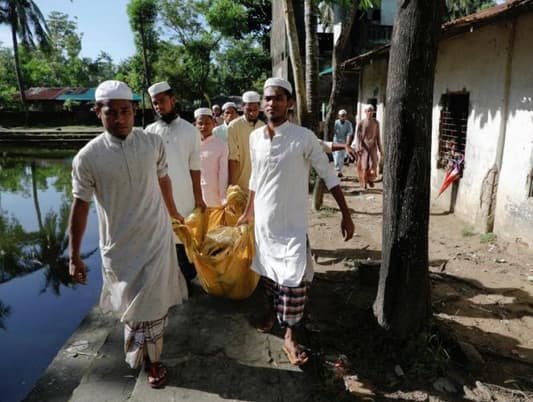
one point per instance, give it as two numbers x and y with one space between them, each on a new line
27 25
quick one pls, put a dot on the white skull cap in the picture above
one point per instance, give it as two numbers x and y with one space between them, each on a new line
251 97
278 82
112 89
203 111
227 105
342 112
158 87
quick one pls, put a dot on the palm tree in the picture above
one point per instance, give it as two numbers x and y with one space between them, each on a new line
298 69
27 24
142 15
311 64
52 243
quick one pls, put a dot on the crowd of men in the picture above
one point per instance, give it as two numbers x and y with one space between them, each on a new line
142 179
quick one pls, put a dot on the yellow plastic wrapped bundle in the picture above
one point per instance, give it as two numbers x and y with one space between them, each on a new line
221 252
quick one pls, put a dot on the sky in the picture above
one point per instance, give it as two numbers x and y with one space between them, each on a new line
104 24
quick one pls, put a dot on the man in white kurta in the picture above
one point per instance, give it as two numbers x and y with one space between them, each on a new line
182 145
125 171
281 155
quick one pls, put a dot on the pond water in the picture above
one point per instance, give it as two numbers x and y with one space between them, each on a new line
39 307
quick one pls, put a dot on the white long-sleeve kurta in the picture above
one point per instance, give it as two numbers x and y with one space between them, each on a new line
141 278
280 175
214 160
182 145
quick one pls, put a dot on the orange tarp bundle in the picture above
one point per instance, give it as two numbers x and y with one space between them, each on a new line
221 252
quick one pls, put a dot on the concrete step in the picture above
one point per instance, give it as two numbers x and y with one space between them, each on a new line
74 359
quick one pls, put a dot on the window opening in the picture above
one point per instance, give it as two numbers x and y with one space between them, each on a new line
452 130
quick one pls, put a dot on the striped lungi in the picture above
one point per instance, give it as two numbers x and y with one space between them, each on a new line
289 302
142 339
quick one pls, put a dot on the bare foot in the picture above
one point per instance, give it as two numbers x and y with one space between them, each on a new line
293 350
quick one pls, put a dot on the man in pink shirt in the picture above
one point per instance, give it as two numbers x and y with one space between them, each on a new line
213 159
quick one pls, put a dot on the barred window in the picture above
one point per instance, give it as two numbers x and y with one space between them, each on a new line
452 128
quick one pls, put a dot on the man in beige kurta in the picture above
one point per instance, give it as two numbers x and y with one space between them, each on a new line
239 130
367 144
125 171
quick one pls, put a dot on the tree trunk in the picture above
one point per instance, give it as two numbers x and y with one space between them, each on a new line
18 72
311 65
402 304
147 75
296 60
341 52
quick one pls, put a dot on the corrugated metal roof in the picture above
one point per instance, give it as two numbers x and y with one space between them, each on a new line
40 94
505 10
66 93
87 95
508 9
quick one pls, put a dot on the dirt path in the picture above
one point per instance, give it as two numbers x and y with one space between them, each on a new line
480 343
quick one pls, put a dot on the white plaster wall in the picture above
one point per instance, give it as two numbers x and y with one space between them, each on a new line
474 62
388 11
514 210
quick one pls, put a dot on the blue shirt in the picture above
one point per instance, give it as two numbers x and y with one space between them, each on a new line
342 130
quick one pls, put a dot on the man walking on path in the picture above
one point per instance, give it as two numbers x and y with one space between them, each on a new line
343 129
282 154
367 143
239 165
126 172
229 111
182 145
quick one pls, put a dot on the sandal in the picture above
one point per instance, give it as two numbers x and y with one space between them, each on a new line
297 359
157 374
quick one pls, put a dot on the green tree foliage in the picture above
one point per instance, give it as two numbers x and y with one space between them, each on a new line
27 26
215 47
249 73
131 72
60 65
142 15
460 8
63 66
196 43
211 47
8 82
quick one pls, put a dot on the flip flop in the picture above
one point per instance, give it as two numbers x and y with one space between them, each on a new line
294 359
157 375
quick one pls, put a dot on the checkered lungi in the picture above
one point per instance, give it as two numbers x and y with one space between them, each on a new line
144 338
289 302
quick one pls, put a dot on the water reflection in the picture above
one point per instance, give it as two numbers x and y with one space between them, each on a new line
23 252
4 313
36 293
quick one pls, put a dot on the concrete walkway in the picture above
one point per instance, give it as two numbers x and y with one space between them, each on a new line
212 351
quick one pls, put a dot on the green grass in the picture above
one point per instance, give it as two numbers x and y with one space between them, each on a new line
487 237
326 212
468 231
